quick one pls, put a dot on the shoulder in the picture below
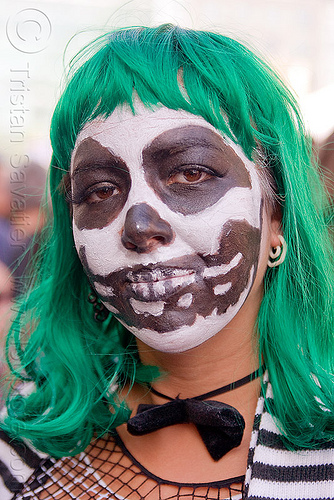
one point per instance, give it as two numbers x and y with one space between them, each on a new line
276 472
18 461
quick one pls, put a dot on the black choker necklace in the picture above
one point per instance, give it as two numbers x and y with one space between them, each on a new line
220 425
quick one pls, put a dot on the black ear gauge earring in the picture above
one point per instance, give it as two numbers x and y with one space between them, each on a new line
101 313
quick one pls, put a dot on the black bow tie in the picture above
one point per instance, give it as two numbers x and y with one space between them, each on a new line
220 425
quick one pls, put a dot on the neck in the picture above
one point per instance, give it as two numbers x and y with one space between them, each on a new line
226 357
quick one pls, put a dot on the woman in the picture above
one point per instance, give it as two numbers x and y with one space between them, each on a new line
181 166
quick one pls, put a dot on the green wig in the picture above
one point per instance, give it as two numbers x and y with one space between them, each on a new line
74 363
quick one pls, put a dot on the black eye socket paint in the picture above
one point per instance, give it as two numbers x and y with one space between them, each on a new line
96 168
190 147
169 155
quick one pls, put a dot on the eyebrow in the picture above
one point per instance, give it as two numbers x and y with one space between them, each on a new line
162 146
86 165
95 157
181 147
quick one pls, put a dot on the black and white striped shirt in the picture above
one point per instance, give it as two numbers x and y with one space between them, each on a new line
276 473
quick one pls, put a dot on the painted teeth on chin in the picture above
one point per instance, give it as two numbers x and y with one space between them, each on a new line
185 300
147 308
222 289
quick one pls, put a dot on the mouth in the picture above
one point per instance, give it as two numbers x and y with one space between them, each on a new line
158 284
158 274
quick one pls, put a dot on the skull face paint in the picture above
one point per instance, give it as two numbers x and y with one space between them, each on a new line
167 218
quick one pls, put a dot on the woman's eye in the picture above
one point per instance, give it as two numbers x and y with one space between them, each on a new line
189 176
101 193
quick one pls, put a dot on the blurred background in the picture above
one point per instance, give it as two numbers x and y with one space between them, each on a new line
38 39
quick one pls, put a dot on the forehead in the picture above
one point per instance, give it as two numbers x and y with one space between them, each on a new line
127 134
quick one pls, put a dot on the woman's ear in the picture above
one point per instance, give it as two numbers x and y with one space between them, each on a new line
277 242
276 227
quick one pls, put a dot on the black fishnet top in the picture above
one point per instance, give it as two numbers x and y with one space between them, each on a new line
106 469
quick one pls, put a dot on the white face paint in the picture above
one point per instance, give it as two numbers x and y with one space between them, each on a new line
167 222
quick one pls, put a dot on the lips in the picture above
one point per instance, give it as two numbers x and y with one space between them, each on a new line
158 284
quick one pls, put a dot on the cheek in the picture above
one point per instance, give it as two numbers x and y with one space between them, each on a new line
100 246
203 231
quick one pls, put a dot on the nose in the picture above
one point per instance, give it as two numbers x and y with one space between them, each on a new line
144 230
